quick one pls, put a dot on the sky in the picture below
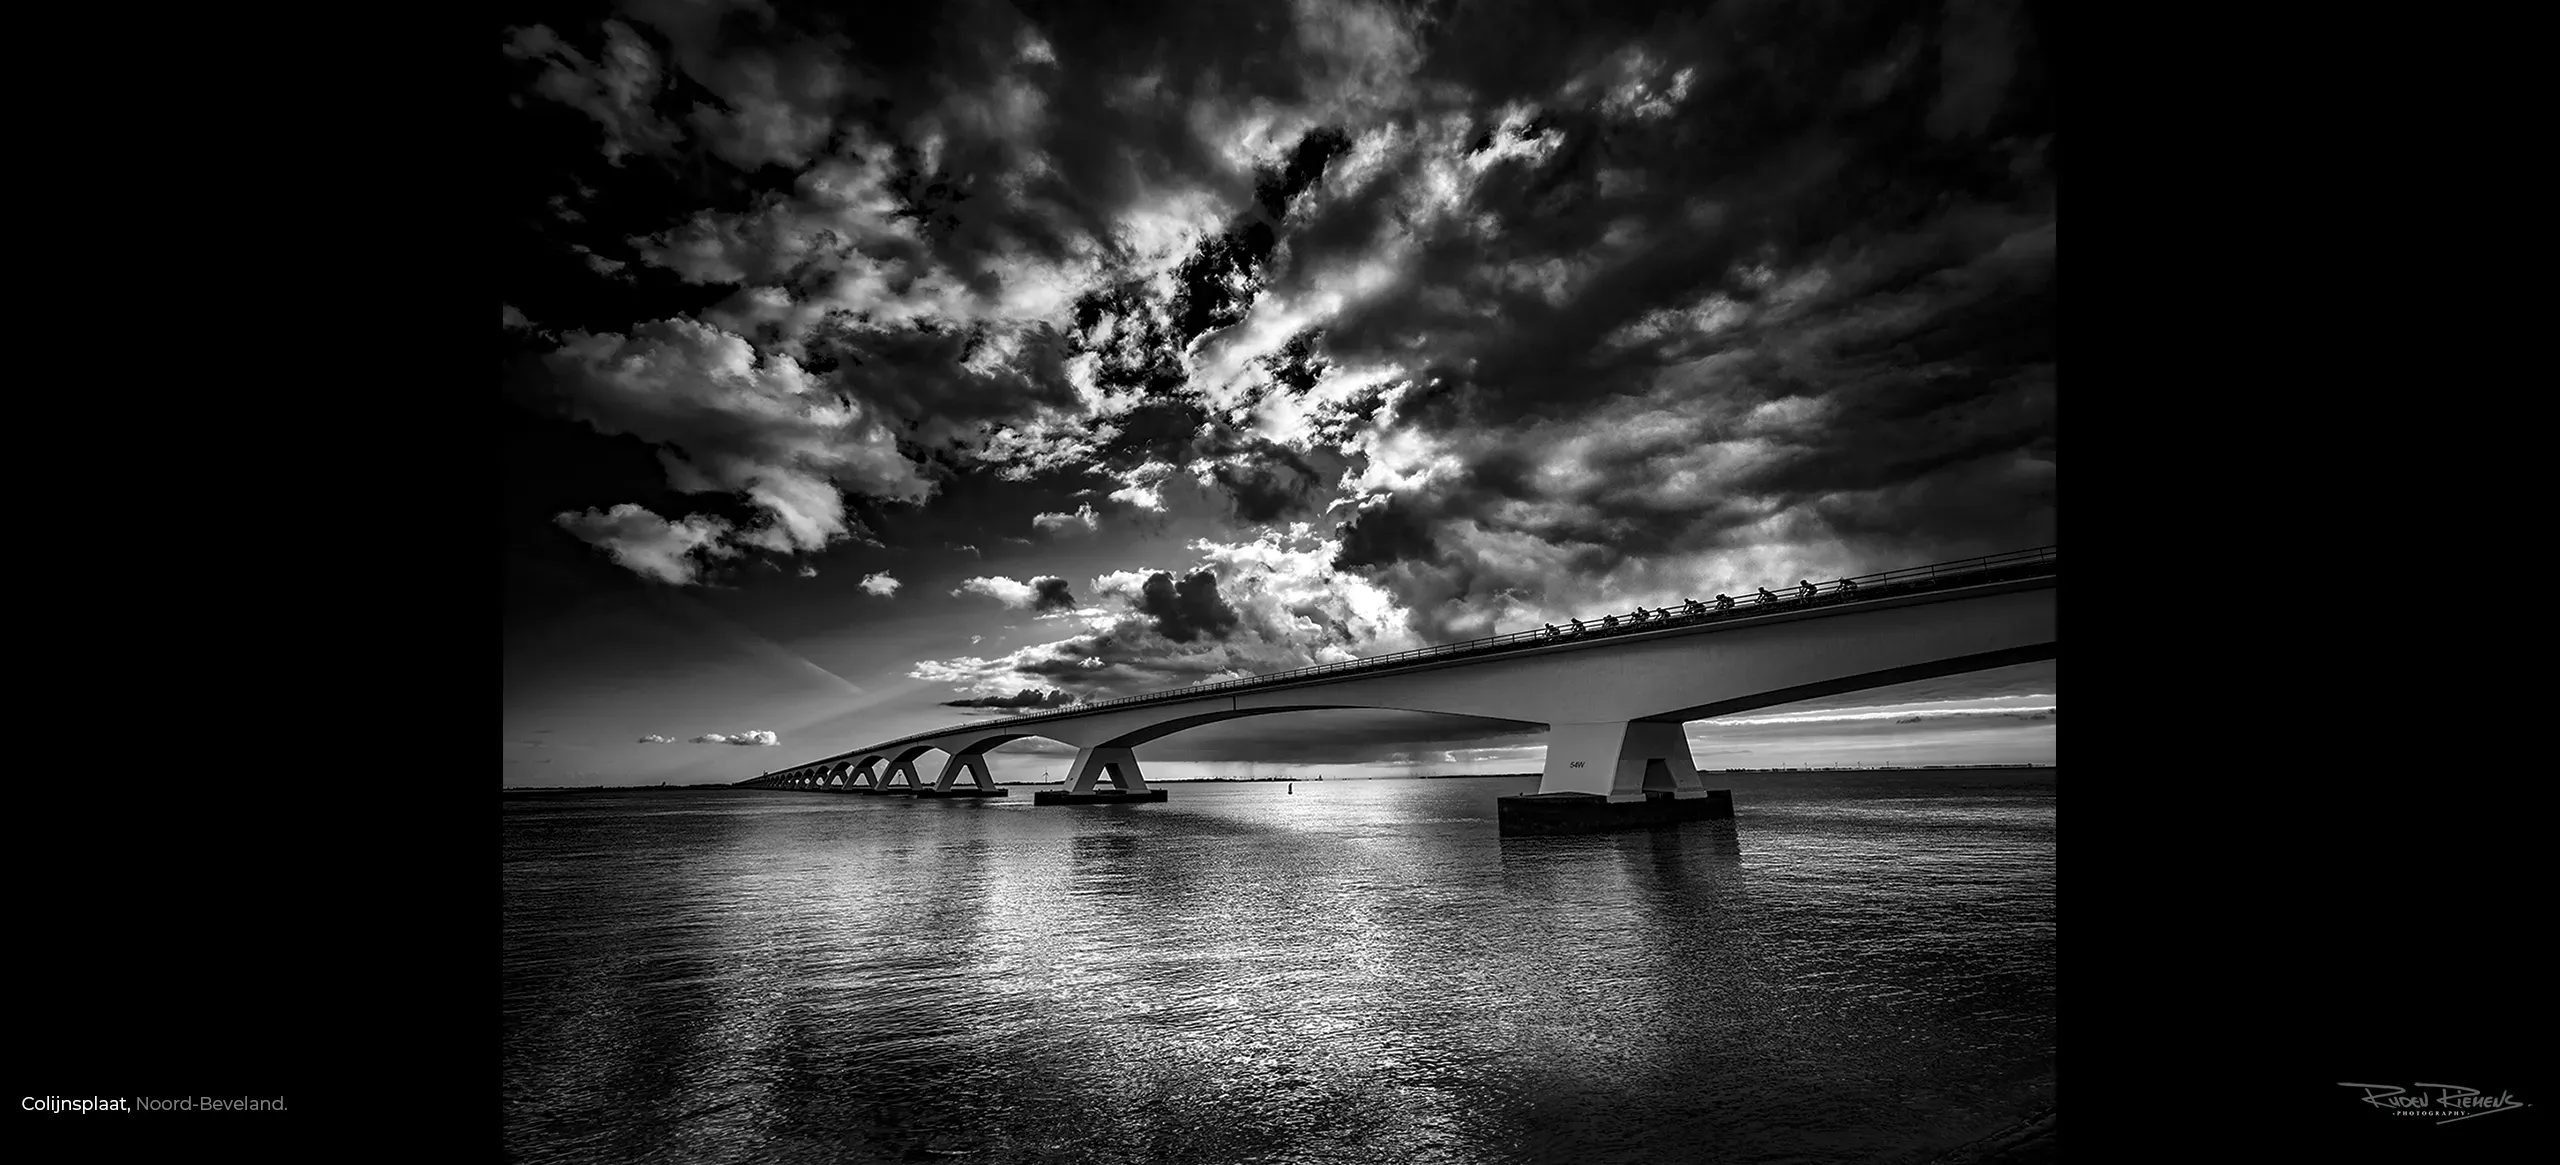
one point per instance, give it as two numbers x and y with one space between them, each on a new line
868 369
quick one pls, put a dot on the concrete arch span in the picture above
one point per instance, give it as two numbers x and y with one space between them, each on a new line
1843 685
968 757
1136 737
1110 755
902 765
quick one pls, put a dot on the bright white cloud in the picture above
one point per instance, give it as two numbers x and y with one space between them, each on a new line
1145 489
879 584
1055 523
754 737
1003 590
651 546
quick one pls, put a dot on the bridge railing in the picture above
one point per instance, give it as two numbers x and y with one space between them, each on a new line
1907 580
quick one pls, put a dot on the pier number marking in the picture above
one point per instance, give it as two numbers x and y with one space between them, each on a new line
1574 765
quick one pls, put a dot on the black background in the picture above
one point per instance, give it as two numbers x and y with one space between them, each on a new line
274 876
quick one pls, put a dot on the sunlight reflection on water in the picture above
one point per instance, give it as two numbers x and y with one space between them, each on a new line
1858 967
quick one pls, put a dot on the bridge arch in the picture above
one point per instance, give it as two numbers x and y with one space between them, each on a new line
967 756
902 764
1858 682
1155 732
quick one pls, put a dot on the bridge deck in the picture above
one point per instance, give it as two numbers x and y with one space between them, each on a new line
1892 584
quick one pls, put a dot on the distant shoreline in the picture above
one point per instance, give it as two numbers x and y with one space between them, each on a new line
557 790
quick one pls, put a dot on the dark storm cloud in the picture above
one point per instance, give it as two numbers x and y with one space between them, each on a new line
1383 536
1262 490
1187 609
1027 698
1049 593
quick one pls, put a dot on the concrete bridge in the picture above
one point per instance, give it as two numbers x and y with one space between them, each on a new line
1610 694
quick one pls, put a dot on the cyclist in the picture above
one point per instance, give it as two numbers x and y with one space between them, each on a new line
1696 608
1577 625
1724 603
1766 598
1551 631
1846 587
1804 591
1608 622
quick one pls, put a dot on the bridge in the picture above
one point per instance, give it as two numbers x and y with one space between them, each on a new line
1611 694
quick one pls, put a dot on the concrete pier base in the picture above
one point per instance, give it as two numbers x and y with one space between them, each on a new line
1534 814
1100 763
963 791
893 791
1108 797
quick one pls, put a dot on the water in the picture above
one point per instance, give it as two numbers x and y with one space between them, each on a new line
1859 968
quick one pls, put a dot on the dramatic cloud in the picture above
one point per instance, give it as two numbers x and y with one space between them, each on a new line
879 584
1248 608
747 738
1186 610
1404 243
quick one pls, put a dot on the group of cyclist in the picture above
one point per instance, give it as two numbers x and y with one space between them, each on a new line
1692 608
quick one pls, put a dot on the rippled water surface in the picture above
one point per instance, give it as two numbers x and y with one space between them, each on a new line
1860 967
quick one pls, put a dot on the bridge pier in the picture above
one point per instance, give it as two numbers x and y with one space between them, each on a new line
983 783
904 766
1624 774
1092 765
